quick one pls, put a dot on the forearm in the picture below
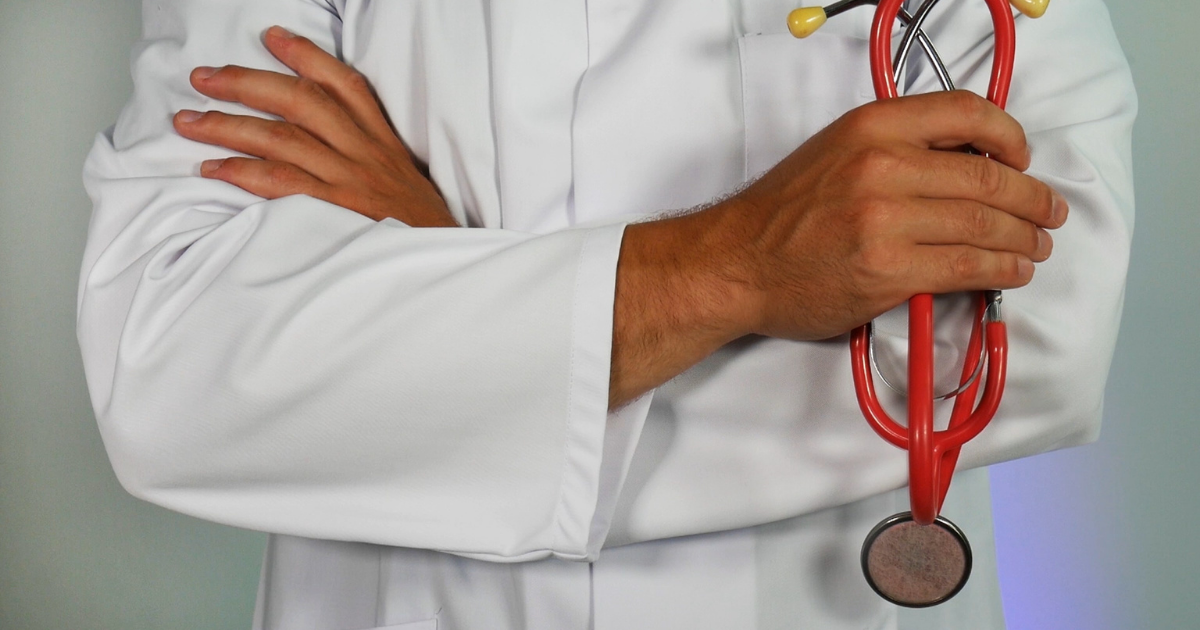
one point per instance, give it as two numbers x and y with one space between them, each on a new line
675 303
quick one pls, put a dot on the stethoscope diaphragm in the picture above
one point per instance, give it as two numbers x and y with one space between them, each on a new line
915 565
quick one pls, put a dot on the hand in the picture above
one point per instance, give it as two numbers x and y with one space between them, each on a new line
874 209
333 143
880 206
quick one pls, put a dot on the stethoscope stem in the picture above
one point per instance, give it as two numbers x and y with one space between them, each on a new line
934 454
935 61
919 558
913 32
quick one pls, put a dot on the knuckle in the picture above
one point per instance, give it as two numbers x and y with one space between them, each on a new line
872 163
394 163
282 133
876 259
875 265
863 119
979 222
877 262
875 216
373 179
310 90
965 265
989 180
355 83
281 177
968 104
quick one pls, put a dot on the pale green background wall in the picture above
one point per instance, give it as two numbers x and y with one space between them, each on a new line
1111 524
76 552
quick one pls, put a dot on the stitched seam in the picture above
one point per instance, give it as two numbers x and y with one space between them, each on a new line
572 420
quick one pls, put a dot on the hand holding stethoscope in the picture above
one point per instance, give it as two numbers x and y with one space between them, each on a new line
919 558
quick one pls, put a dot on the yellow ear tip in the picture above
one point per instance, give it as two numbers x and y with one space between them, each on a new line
805 21
1032 8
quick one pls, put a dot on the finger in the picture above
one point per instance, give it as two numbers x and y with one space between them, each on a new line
955 175
344 84
267 139
949 120
295 99
953 268
267 179
943 222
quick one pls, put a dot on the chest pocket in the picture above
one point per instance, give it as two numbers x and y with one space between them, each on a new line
792 88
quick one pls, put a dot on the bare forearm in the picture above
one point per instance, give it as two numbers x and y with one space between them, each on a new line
677 301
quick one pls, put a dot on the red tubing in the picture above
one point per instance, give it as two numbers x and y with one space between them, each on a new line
922 480
864 386
932 455
963 402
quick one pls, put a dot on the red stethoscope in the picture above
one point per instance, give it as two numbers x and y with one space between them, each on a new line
919 558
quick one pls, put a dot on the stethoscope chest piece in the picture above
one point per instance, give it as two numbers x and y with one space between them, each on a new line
915 565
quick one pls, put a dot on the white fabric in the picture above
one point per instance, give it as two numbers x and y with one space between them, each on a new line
436 399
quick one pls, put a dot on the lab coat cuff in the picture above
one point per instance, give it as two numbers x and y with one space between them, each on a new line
599 445
621 437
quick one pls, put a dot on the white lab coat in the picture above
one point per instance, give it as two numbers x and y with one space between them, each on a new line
419 415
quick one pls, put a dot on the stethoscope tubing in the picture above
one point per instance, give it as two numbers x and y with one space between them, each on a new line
934 454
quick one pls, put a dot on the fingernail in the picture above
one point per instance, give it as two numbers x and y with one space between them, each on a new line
204 72
1025 267
208 167
189 116
1045 243
1059 213
279 31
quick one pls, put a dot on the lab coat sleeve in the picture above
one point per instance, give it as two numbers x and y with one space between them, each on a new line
291 366
1073 93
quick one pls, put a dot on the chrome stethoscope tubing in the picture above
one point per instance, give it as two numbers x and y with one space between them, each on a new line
912 32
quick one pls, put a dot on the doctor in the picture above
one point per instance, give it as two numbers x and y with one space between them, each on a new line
443 426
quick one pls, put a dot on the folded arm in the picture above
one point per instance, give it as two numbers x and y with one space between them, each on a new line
292 366
281 359
758 262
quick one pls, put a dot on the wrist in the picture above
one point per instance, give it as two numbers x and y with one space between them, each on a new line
679 298
696 262
727 242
